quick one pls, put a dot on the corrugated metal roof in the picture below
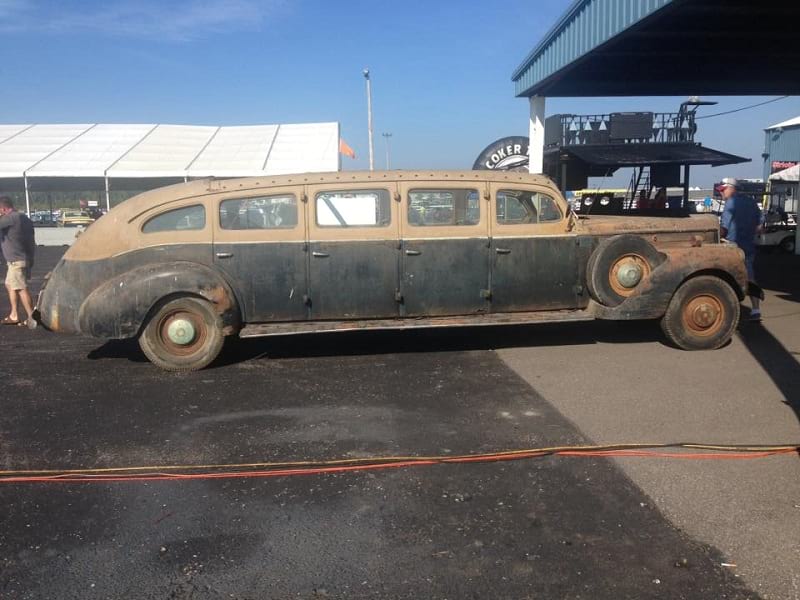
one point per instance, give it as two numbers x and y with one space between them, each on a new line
166 151
788 123
586 25
665 48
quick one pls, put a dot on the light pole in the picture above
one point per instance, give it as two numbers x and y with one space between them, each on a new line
386 137
369 120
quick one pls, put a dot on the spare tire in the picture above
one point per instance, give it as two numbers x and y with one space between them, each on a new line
617 267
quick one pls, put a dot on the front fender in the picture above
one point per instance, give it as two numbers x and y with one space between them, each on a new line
651 298
118 307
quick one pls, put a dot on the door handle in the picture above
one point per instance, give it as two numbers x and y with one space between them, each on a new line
413 252
503 250
224 255
320 254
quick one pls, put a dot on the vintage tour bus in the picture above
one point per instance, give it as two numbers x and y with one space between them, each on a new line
183 266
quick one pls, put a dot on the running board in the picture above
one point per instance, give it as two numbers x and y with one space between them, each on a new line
518 318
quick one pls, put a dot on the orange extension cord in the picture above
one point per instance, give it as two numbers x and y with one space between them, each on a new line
286 469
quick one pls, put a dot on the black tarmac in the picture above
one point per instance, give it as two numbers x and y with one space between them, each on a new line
542 528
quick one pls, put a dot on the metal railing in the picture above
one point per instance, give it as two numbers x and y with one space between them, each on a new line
620 128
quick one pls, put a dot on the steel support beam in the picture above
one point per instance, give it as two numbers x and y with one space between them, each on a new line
536 126
27 195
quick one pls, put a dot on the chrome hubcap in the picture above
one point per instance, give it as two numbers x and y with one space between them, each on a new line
181 332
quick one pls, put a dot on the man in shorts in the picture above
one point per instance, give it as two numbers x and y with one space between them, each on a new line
741 221
18 245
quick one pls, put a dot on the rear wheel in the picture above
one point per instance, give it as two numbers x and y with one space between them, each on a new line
787 244
702 315
184 334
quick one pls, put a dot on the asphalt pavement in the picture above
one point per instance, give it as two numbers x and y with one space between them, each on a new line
541 528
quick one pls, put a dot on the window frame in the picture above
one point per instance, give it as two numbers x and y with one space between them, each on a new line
297 206
555 227
244 236
356 232
149 219
315 205
496 200
440 191
478 230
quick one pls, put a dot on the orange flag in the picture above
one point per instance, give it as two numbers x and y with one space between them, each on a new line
345 149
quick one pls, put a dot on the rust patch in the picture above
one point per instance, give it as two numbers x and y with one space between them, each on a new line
219 296
613 224
651 297
520 318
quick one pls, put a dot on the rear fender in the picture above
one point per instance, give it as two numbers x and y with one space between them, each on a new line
120 306
651 298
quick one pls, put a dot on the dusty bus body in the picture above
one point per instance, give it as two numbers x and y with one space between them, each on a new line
184 266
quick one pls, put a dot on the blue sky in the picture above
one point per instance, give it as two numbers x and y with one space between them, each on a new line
441 71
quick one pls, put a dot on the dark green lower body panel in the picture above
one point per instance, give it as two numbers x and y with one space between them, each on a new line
270 278
445 277
353 280
535 274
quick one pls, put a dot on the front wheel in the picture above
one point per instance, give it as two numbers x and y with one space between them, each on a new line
184 334
787 244
702 315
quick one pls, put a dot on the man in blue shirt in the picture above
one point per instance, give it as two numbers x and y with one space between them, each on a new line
741 221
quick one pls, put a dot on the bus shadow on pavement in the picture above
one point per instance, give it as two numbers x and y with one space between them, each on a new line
128 349
461 339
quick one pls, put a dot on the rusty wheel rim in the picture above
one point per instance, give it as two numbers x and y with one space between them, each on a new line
623 262
181 332
704 315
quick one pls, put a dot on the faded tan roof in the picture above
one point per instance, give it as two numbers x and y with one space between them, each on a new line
204 187
113 233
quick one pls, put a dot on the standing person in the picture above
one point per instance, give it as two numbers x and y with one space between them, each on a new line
661 200
741 221
18 245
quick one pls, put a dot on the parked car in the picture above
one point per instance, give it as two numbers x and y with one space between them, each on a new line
778 235
73 218
43 219
182 267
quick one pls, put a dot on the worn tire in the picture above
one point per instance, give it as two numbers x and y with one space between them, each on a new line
787 244
204 335
702 315
601 269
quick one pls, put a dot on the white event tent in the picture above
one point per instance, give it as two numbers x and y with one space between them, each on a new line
103 156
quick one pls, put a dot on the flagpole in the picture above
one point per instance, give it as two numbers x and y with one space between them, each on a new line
369 121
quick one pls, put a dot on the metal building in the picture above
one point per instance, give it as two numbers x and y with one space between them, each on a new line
661 48
781 146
